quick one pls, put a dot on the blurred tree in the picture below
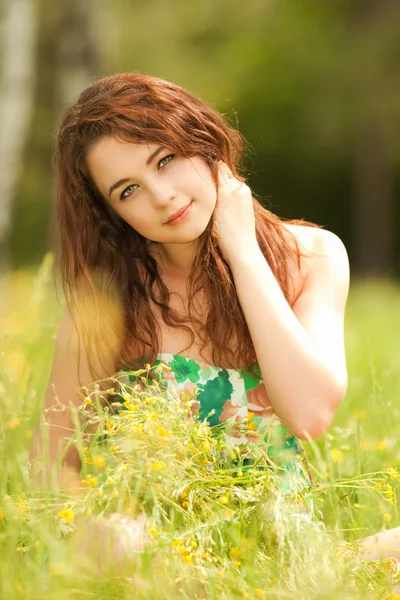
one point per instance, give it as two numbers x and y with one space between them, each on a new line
70 56
18 57
78 48
373 209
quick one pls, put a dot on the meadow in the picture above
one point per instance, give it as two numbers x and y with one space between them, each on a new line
216 529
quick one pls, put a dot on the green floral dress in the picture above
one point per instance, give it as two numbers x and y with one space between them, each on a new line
230 397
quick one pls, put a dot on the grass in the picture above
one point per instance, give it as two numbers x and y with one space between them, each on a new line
217 529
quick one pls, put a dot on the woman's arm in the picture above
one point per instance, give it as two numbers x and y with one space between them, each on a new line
56 422
300 349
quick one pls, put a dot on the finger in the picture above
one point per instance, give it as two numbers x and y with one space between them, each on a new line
224 170
226 175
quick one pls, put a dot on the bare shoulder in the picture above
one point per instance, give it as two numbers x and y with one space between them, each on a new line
323 251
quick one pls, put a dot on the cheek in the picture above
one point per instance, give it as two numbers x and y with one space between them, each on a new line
139 221
199 179
206 191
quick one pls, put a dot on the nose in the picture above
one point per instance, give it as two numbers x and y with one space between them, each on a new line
162 192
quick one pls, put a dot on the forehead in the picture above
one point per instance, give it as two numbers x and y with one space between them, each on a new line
108 150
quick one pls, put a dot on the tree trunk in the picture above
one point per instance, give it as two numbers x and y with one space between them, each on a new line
18 35
373 200
79 56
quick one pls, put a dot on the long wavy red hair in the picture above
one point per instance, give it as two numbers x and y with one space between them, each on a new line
100 256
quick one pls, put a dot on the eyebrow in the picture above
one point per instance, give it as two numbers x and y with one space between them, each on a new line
149 160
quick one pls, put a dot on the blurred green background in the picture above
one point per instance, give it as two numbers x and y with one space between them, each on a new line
313 86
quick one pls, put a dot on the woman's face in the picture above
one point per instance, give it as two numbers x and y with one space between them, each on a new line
146 184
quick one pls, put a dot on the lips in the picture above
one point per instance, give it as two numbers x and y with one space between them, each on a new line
178 213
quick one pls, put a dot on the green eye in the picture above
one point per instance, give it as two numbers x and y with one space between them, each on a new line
131 188
170 156
127 191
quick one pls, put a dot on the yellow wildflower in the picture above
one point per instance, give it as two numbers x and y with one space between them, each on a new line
378 486
250 415
223 500
337 455
157 466
13 423
99 461
205 555
356 505
185 504
87 401
162 432
92 481
389 493
22 549
393 473
236 563
193 543
110 427
116 493
382 445
360 414
234 552
387 517
21 504
66 515
114 449
188 559
259 593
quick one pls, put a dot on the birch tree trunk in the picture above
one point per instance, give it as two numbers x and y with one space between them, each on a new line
18 56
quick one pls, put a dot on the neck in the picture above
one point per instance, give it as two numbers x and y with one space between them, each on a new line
176 259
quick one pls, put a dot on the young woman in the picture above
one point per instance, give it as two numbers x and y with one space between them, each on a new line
248 307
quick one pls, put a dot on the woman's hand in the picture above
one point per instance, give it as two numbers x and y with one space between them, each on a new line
109 542
234 218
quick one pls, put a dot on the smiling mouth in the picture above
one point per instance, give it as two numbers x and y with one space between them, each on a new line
178 214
